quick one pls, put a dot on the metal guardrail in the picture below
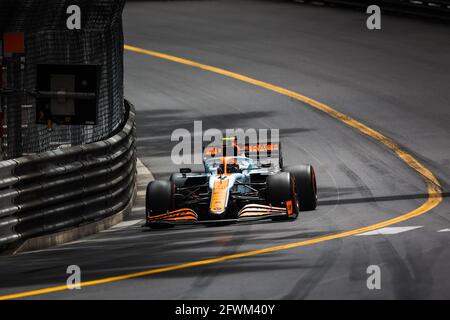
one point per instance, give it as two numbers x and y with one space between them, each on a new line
56 190
439 9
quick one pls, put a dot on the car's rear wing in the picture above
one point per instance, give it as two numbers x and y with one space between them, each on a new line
257 151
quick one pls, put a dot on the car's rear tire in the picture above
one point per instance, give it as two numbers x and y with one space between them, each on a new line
158 200
305 184
280 189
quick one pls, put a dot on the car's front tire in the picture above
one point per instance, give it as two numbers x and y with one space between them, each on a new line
280 190
159 200
305 184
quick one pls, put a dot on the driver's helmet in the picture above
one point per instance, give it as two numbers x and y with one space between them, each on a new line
231 165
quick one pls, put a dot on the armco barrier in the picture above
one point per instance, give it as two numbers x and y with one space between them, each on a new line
56 190
438 9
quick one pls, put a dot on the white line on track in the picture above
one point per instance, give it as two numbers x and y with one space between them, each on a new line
112 238
141 193
144 177
444 230
388 230
142 170
125 224
141 208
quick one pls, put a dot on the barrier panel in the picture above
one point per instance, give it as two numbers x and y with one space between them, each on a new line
56 190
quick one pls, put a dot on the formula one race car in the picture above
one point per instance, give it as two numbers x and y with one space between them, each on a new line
250 183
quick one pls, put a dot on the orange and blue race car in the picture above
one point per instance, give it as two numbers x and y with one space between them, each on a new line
239 183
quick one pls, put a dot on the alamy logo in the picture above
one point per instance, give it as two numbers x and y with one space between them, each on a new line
74 20
374 279
74 280
189 149
374 20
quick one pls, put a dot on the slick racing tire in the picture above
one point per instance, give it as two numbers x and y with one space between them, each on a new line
305 185
158 200
280 189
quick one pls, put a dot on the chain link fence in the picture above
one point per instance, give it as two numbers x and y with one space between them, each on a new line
49 41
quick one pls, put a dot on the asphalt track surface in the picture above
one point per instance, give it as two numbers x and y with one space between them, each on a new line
396 81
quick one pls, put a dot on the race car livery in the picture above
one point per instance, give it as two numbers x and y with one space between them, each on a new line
238 183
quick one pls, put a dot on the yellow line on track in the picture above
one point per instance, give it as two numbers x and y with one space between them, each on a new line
433 186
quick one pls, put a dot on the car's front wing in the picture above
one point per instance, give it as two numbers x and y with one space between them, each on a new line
250 212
